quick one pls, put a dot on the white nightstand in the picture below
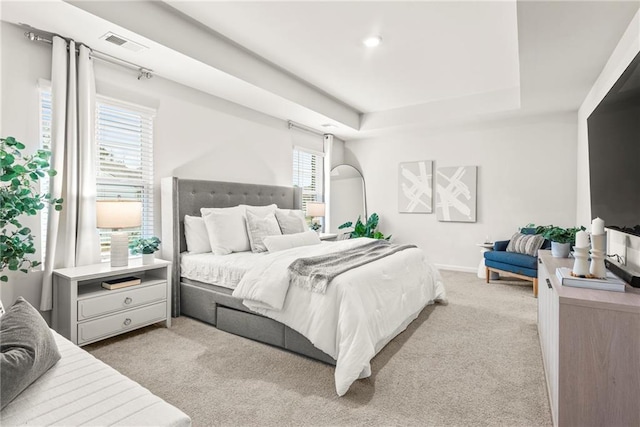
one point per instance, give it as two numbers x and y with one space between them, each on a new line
485 247
327 236
85 312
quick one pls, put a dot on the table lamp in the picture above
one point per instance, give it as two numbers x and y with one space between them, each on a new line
315 210
116 215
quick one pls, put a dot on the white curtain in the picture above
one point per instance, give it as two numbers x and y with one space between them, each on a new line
72 237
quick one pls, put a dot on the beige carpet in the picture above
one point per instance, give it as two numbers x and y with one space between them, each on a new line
475 361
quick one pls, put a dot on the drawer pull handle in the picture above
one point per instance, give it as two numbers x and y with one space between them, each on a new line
127 322
548 283
127 300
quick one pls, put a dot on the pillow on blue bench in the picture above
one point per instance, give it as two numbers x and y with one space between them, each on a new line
527 244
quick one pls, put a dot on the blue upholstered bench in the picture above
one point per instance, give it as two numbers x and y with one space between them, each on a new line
513 264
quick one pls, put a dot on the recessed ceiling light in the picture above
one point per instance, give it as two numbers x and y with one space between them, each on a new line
372 41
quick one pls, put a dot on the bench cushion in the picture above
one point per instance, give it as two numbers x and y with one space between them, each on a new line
512 258
27 349
82 390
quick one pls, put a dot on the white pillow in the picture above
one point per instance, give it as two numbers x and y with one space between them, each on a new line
291 221
288 241
206 211
195 233
227 231
260 211
259 228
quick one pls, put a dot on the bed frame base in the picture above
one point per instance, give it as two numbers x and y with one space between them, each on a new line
228 314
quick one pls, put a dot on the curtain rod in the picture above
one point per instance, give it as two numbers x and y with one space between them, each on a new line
96 54
298 126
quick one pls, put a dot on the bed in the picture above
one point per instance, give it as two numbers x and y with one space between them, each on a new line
345 327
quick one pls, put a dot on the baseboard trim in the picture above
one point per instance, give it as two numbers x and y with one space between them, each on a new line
457 268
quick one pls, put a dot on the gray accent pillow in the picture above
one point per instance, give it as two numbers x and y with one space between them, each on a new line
527 244
291 221
260 227
27 349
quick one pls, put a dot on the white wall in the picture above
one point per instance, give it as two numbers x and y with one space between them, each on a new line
196 135
22 64
621 57
199 136
526 174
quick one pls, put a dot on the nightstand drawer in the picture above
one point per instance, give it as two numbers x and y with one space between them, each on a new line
120 322
120 300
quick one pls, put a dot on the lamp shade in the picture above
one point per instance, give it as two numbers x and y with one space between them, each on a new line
118 214
315 209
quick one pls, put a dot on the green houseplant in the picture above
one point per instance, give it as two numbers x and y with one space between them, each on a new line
20 196
367 229
562 235
561 238
146 246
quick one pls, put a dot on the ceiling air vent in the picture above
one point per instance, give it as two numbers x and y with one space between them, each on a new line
112 38
123 42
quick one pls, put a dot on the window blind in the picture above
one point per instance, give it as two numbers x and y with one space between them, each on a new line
307 174
124 139
45 144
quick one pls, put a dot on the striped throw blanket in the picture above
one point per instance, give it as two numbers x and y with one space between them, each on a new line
315 273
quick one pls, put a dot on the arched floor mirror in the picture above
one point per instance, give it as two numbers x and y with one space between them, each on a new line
348 197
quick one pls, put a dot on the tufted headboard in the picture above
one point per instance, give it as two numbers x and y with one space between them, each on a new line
182 197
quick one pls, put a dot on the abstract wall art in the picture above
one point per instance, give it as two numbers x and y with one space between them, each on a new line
415 187
456 193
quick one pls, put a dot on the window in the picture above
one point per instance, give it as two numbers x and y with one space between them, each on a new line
307 174
124 139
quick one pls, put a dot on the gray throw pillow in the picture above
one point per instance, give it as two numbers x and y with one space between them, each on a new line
527 244
291 221
27 349
258 228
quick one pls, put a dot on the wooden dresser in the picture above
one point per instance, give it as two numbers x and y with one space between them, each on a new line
590 343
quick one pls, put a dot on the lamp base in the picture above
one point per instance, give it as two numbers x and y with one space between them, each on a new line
119 249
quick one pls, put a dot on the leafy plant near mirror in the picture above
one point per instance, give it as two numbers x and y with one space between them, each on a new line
367 229
20 196
145 245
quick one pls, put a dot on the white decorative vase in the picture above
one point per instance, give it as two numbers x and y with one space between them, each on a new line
581 264
560 250
597 268
147 259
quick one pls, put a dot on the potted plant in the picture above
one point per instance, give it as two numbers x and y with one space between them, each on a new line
146 246
20 196
367 229
561 239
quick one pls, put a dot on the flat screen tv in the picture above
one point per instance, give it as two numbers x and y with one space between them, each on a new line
614 153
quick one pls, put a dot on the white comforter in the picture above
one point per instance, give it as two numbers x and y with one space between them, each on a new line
361 311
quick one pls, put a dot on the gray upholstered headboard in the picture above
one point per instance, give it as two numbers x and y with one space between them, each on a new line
182 197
